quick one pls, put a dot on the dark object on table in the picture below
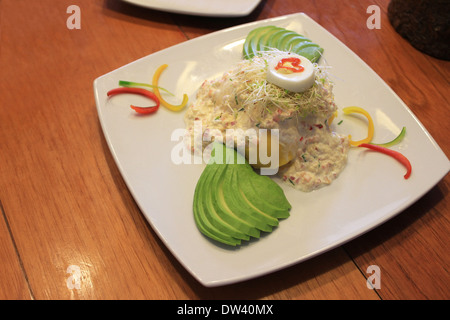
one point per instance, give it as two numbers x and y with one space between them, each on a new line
424 23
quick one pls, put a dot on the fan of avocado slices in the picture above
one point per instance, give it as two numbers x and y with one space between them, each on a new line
233 203
271 37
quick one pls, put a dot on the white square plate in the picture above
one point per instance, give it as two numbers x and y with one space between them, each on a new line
370 190
213 8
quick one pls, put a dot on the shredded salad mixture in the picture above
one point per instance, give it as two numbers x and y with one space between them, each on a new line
311 154
286 97
242 98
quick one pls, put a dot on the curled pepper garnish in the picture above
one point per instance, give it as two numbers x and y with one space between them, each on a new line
370 131
169 106
124 83
395 154
393 142
332 117
142 92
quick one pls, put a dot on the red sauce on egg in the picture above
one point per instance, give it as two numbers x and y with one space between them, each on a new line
292 64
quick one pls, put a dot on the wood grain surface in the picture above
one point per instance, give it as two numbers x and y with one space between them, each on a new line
64 202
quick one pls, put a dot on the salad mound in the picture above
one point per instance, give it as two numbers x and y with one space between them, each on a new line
245 93
244 99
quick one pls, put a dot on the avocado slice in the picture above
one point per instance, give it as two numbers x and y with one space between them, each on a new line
235 219
312 52
239 203
226 203
267 189
274 38
268 37
284 39
266 206
260 193
236 163
263 42
293 41
214 216
252 41
302 45
247 198
202 221
247 49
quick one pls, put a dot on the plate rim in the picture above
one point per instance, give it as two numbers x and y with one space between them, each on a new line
214 283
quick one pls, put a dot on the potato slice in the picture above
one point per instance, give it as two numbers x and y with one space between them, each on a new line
264 149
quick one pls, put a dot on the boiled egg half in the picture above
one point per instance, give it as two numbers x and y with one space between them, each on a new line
292 72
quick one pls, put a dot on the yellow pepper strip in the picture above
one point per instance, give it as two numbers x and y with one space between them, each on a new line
370 132
169 106
332 117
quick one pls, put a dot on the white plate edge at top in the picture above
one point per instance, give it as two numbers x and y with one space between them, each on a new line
212 8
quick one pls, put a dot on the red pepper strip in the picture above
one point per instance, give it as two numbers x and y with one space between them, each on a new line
144 110
395 154
143 92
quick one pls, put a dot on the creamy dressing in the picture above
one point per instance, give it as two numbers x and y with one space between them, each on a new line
243 99
320 157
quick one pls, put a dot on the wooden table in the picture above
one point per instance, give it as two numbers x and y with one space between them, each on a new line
64 202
